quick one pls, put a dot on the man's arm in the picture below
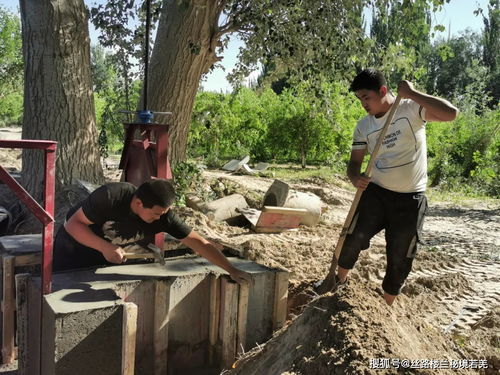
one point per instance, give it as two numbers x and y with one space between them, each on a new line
358 179
78 227
208 251
436 109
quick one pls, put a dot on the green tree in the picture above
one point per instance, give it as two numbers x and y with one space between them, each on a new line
401 33
455 67
491 50
300 40
230 125
305 36
113 93
11 68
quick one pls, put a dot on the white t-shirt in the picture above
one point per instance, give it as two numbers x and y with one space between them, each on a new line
401 164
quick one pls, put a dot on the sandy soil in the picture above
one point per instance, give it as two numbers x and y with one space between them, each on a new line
449 310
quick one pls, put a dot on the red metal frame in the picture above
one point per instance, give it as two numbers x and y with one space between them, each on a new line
45 214
153 142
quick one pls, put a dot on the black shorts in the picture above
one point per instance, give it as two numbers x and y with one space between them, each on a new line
402 217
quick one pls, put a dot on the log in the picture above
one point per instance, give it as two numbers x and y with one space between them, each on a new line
220 209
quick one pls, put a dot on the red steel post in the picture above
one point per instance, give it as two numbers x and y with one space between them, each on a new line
48 230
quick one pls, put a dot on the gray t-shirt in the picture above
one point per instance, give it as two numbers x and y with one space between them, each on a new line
401 163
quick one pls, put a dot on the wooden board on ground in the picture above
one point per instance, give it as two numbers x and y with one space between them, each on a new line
273 219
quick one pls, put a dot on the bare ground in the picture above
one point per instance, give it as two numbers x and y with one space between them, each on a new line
449 309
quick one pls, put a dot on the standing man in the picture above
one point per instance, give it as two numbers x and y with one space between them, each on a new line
119 214
393 198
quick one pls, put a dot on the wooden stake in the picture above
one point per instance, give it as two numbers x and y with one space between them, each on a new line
228 321
9 308
242 318
214 314
280 299
22 319
161 310
129 332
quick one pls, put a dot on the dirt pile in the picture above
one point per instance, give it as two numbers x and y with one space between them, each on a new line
354 332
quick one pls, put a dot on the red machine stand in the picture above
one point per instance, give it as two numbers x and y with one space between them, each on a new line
145 155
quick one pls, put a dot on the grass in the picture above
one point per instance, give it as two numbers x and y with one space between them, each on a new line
325 175
463 198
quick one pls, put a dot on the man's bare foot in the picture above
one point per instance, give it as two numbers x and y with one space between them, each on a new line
342 275
389 298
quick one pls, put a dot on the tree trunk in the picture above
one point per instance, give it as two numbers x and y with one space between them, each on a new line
303 155
184 50
58 97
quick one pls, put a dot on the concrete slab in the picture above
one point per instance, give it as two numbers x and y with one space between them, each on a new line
21 244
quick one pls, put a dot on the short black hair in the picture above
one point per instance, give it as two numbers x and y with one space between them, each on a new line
368 79
157 192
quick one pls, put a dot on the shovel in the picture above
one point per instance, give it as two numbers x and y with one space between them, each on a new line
329 282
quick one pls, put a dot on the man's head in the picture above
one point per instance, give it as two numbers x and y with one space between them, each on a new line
370 88
153 199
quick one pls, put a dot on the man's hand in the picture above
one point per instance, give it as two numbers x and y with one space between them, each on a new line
240 276
436 109
114 255
361 182
405 89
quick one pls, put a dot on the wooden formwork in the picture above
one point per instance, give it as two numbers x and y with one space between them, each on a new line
181 318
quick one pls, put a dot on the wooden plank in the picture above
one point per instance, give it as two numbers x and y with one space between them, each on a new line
9 307
213 319
30 359
278 220
242 318
129 331
22 307
228 322
285 210
160 332
28 260
280 299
